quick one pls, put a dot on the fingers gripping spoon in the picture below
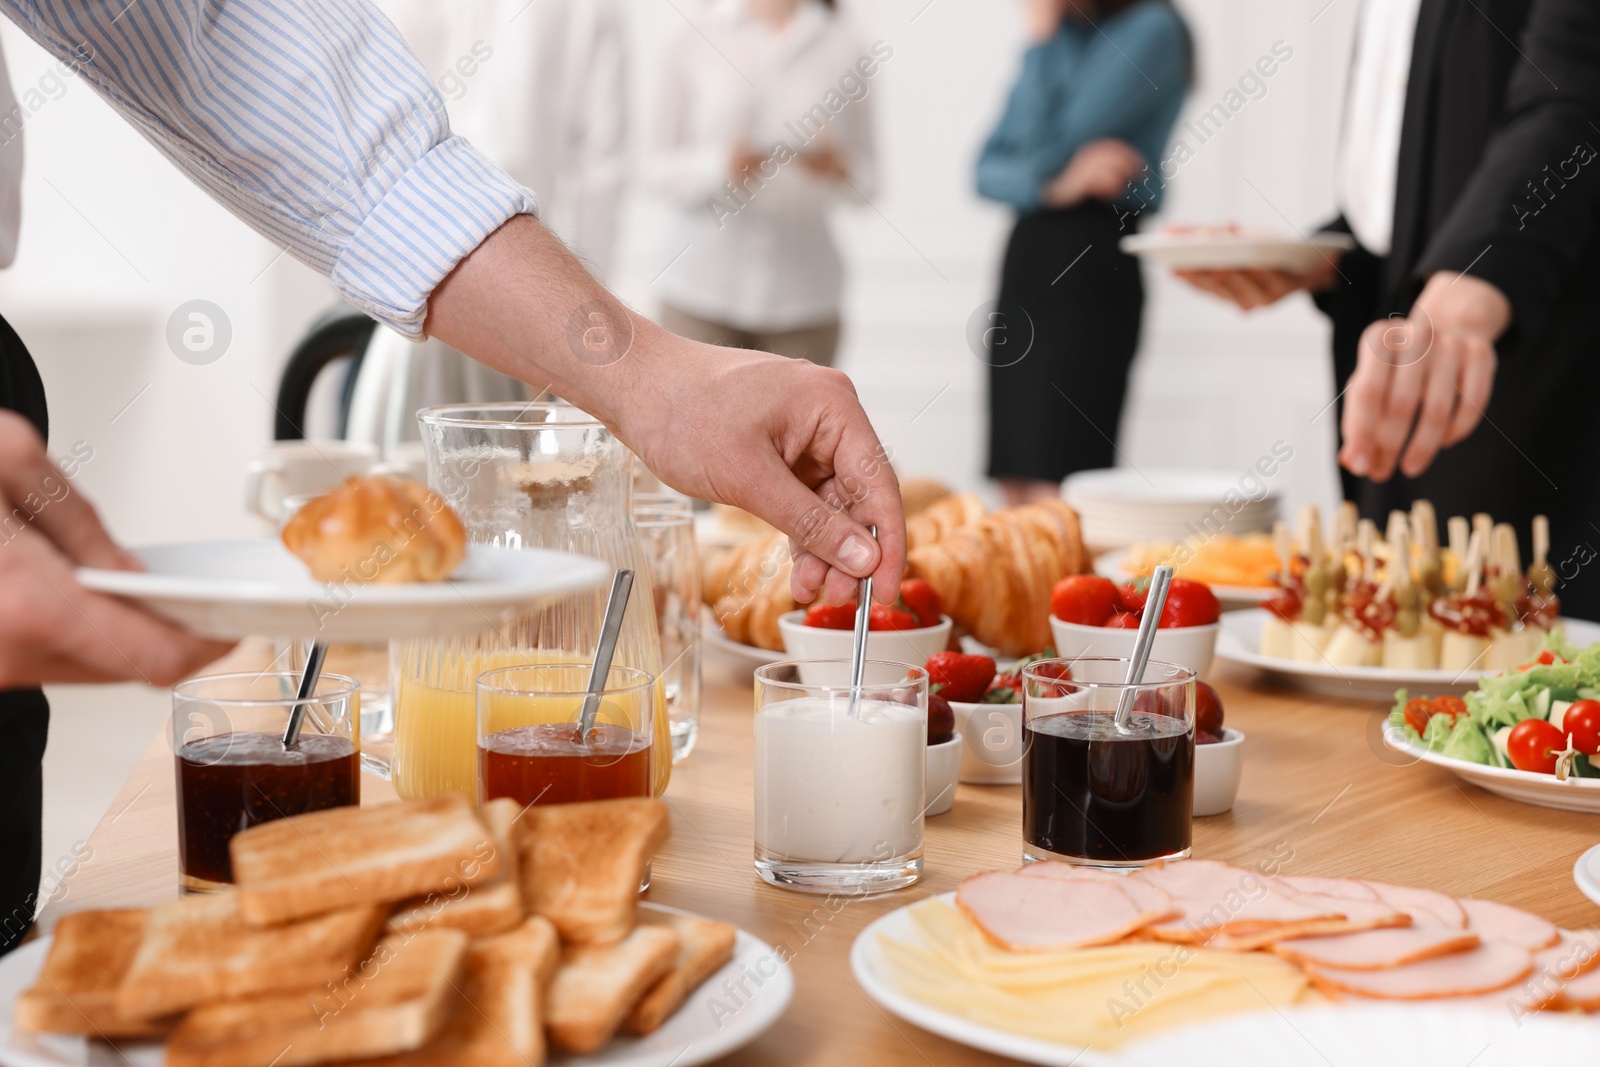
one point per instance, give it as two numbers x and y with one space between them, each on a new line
858 647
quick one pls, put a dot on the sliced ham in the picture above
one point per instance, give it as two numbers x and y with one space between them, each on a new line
1215 899
1425 906
1578 952
1373 950
1582 992
1358 914
1338 888
1494 921
1493 965
1147 896
1032 914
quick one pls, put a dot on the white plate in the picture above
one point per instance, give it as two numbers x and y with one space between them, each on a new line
235 589
699 1032
1416 1034
749 654
1214 251
1110 565
1586 872
1241 637
1542 790
871 972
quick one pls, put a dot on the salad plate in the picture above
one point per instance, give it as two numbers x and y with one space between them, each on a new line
1241 637
1529 787
1586 872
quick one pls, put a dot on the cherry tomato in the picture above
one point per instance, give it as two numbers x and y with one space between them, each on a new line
1454 707
1534 745
1189 603
1418 711
1122 620
1582 724
1086 599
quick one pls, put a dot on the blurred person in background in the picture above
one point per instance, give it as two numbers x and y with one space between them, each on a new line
541 89
1077 154
1466 319
764 125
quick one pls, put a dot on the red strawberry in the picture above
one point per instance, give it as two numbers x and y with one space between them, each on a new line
964 677
923 600
1122 620
832 616
884 617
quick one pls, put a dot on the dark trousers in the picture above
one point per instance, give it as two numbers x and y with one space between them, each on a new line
1060 344
24 714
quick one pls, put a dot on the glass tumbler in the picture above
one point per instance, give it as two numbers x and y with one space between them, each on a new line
666 532
529 747
234 772
839 782
1097 794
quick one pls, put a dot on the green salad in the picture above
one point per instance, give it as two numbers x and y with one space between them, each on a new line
1559 691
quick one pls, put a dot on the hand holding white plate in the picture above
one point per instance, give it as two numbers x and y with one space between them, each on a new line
235 589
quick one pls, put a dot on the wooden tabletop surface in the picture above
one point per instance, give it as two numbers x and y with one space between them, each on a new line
1321 795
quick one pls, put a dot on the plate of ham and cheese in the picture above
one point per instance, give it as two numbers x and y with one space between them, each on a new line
1055 964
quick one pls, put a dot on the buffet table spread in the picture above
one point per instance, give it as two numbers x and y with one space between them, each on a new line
1321 795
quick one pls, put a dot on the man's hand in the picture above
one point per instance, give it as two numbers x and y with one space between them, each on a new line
782 438
1041 18
1439 360
1251 289
1100 170
51 628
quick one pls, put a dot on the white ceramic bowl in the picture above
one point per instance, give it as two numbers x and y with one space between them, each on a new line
1187 646
1217 769
944 770
896 646
992 752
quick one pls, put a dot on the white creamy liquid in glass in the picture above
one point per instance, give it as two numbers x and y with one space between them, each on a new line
831 789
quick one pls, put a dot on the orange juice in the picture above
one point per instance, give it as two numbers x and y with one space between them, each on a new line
435 726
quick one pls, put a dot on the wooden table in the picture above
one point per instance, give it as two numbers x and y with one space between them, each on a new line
1321 795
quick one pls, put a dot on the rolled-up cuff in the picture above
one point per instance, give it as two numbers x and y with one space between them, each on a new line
438 212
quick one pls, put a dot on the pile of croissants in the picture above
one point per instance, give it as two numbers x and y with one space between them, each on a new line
994 570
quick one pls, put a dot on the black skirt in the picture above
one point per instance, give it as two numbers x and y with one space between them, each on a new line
24 715
1060 343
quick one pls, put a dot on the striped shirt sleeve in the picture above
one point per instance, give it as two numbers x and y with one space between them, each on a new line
309 119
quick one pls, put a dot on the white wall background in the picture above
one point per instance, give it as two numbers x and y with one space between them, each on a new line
114 239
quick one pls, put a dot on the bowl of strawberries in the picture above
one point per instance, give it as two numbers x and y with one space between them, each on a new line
986 703
1093 616
910 630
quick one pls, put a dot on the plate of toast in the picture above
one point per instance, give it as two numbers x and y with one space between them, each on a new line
413 934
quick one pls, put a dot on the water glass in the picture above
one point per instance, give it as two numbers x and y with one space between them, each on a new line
666 535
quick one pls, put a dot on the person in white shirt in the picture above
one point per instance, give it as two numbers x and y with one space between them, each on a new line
764 125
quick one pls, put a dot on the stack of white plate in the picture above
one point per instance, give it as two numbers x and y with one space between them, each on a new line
1122 506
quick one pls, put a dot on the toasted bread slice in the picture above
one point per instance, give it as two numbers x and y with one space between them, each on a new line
703 947
596 986
582 864
197 949
495 1019
77 988
398 999
309 864
487 908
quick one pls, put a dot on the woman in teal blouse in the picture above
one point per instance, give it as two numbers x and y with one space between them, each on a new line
1078 154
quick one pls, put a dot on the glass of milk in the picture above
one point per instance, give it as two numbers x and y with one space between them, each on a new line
839 794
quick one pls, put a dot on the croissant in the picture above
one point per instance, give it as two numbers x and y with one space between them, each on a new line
377 529
943 517
747 587
996 576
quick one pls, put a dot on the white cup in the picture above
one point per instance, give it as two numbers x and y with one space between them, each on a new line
301 468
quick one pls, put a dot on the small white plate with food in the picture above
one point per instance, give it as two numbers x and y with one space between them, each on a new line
1116 566
1236 248
751 655
236 589
376 559
1529 787
1586 872
1240 642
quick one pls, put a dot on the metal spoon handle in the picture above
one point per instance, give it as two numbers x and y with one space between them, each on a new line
858 647
308 685
1155 600
610 630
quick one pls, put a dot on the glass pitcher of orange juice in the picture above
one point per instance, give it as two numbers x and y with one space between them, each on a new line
541 475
